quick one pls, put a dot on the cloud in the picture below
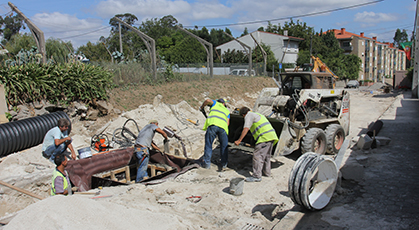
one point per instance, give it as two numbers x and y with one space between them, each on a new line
142 8
210 10
372 17
69 27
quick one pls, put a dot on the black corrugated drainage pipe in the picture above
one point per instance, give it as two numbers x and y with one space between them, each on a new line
26 133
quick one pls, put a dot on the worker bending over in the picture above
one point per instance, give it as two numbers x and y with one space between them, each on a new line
143 142
216 124
265 137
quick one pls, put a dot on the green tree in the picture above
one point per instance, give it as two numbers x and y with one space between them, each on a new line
257 57
94 52
9 26
131 42
400 37
234 56
20 42
58 50
245 32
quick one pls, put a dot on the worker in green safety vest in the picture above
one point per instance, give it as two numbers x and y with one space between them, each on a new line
60 183
265 137
216 125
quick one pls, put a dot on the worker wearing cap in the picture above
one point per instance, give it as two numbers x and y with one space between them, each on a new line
60 183
216 124
143 142
56 141
265 137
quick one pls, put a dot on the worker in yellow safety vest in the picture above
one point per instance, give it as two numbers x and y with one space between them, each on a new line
216 124
60 183
265 137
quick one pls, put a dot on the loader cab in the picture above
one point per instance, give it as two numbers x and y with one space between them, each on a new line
305 80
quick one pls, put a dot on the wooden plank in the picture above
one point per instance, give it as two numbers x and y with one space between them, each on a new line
152 170
113 176
21 190
127 174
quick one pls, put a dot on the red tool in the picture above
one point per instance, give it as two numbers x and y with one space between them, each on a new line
194 199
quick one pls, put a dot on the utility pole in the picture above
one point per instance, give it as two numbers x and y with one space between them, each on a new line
120 39
36 32
311 45
416 68
265 55
149 43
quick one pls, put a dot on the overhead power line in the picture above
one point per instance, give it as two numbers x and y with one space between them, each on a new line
79 35
290 17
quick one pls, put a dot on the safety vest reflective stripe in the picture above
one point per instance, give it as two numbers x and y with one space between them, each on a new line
217 116
259 127
260 134
56 174
262 131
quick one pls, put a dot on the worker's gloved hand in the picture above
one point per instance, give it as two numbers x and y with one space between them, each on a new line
166 141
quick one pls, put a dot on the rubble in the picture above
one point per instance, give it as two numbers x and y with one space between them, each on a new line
126 207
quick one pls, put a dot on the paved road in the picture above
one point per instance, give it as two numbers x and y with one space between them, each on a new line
388 197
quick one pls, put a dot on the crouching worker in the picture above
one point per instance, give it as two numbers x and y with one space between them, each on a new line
60 183
265 137
56 141
143 142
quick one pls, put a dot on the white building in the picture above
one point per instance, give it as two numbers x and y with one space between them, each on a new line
285 48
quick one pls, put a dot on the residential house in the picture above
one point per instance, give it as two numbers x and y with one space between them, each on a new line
285 48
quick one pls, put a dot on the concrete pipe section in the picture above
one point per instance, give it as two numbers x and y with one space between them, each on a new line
312 181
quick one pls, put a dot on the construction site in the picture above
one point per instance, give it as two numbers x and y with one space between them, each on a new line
179 194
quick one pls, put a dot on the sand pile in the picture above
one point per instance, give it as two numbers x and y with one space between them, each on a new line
76 212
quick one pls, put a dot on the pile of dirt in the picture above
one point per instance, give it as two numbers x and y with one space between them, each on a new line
165 205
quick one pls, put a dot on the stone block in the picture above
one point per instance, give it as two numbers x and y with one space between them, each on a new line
383 140
3 119
352 170
103 107
3 104
364 142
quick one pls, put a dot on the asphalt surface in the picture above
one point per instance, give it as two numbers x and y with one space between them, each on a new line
388 195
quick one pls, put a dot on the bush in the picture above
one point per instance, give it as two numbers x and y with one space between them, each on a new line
54 82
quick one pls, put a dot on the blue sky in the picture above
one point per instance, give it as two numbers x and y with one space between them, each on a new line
82 21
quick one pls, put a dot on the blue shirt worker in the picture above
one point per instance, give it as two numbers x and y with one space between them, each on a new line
265 137
56 141
216 124
60 183
142 145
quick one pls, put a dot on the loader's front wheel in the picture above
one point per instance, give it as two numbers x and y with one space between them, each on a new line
335 136
314 141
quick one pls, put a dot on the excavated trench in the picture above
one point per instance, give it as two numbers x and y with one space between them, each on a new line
119 167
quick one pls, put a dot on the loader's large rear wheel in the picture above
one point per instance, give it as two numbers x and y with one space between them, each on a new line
335 136
314 141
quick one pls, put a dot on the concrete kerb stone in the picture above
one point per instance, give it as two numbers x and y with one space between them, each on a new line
383 140
352 170
364 142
